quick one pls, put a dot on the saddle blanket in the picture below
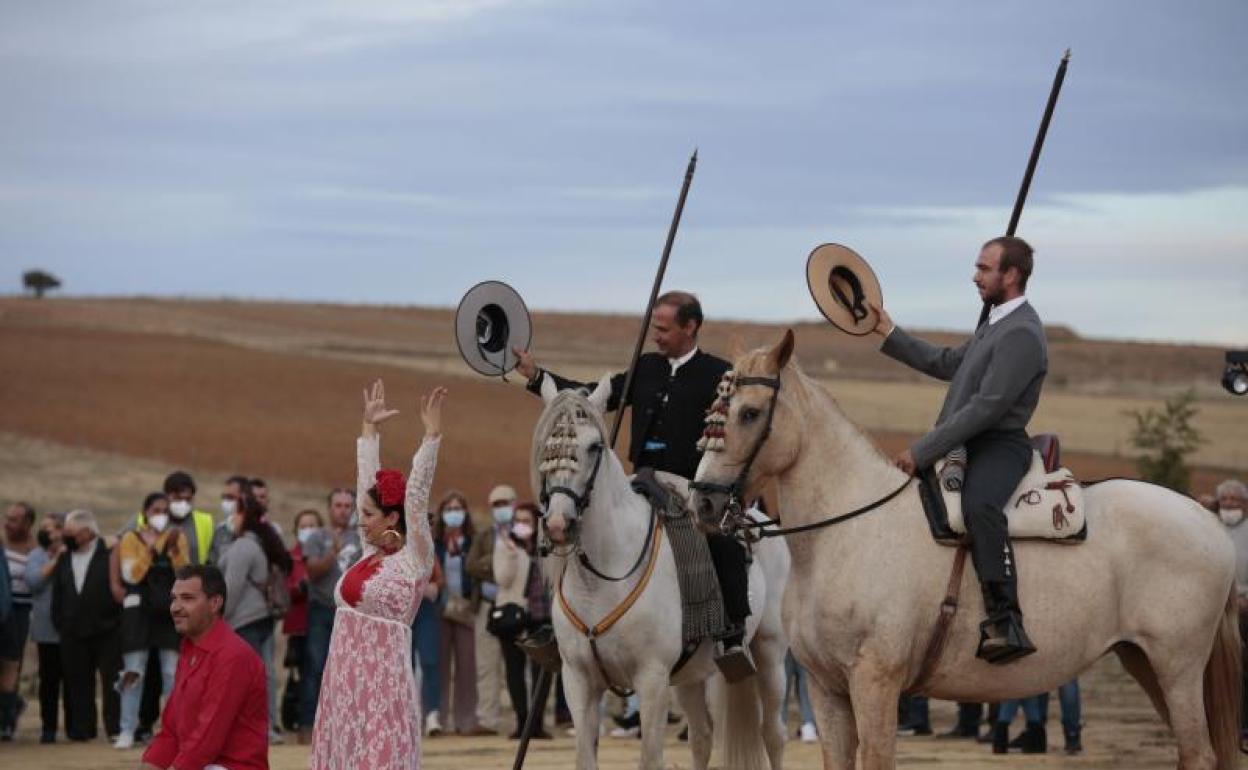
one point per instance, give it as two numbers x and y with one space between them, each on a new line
1047 506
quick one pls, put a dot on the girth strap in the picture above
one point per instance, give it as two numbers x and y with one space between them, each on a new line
611 618
948 608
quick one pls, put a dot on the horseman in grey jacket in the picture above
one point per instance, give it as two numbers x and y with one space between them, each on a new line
995 379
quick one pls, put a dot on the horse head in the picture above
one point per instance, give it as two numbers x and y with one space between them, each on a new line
569 442
752 434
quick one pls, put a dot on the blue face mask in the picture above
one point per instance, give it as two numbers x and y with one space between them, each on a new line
453 517
503 514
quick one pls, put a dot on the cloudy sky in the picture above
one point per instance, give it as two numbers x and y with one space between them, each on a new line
399 151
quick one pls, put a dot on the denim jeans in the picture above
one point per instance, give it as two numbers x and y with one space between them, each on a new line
136 663
1036 708
793 671
426 644
320 629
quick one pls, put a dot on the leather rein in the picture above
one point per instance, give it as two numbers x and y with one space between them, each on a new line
734 513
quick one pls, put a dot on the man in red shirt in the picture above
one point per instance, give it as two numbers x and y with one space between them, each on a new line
217 714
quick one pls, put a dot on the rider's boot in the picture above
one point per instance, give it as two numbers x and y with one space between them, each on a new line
733 657
1001 637
732 569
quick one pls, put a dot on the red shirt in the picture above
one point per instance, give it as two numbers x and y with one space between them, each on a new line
218 712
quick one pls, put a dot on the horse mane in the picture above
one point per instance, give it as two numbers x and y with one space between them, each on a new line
811 394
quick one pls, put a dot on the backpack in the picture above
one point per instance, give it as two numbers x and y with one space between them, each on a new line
158 583
276 594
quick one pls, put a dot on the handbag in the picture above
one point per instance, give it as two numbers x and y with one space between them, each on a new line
507 620
458 609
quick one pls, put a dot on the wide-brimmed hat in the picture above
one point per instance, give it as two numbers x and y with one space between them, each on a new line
490 321
844 287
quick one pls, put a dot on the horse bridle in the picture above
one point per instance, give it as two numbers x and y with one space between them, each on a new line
580 501
733 509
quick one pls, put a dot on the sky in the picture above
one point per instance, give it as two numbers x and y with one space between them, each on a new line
400 151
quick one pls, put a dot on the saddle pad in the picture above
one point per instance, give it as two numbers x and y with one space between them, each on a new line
702 605
1046 506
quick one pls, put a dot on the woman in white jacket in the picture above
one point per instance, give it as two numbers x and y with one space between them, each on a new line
522 603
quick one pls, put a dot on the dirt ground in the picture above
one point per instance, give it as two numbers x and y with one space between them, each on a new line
1121 731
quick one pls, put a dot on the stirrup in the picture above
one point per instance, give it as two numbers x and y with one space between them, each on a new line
734 662
1002 639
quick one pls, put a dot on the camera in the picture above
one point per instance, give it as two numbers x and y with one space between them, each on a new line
1235 377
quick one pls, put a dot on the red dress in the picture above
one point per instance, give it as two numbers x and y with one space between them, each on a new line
368 717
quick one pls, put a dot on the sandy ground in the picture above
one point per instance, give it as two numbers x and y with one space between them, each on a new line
1121 731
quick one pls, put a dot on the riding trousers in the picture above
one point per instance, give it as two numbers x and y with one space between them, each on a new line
996 463
728 556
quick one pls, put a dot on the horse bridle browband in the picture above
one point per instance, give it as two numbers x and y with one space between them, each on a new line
736 490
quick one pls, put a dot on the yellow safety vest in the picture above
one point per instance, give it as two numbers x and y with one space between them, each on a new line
202 522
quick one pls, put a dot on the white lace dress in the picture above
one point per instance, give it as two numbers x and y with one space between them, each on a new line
369 712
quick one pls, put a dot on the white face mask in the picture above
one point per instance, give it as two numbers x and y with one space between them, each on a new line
158 521
503 514
522 530
180 508
305 535
1231 516
228 507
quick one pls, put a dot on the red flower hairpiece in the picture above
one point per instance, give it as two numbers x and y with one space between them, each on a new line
391 488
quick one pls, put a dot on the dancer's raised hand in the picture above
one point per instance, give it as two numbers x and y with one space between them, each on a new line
431 411
375 411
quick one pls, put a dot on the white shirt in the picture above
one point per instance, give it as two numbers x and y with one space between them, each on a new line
676 363
81 559
1001 311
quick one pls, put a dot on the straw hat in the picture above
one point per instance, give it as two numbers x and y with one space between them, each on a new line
490 321
843 286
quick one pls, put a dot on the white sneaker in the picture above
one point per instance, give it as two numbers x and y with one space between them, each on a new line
275 737
808 733
626 732
124 741
433 724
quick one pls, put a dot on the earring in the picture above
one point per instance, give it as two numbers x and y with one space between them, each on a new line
397 536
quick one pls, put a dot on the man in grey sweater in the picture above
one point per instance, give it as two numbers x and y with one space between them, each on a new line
995 379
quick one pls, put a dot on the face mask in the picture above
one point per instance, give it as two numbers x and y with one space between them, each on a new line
180 508
522 530
71 543
158 521
503 514
305 535
228 507
1231 516
453 517
44 538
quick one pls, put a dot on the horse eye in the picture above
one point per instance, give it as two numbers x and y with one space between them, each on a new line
750 414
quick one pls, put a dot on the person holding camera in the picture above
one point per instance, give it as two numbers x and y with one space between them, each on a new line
522 604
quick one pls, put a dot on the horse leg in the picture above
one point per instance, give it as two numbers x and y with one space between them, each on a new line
652 687
875 693
838 733
769 682
692 699
1184 690
1136 663
584 701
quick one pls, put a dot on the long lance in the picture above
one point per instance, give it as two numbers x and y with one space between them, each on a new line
1032 161
654 293
541 688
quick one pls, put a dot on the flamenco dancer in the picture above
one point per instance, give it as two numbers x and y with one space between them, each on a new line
368 716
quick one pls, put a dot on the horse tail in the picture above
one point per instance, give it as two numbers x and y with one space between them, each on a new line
1223 686
738 724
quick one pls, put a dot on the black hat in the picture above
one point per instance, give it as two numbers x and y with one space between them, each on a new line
490 321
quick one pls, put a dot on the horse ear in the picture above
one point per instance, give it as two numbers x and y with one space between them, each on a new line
549 390
601 394
778 357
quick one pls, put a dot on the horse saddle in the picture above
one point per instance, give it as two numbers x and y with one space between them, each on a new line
702 604
1046 505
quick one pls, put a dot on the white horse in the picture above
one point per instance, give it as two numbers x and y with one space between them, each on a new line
1154 583
640 649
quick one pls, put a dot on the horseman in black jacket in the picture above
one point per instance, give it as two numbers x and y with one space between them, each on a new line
671 392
